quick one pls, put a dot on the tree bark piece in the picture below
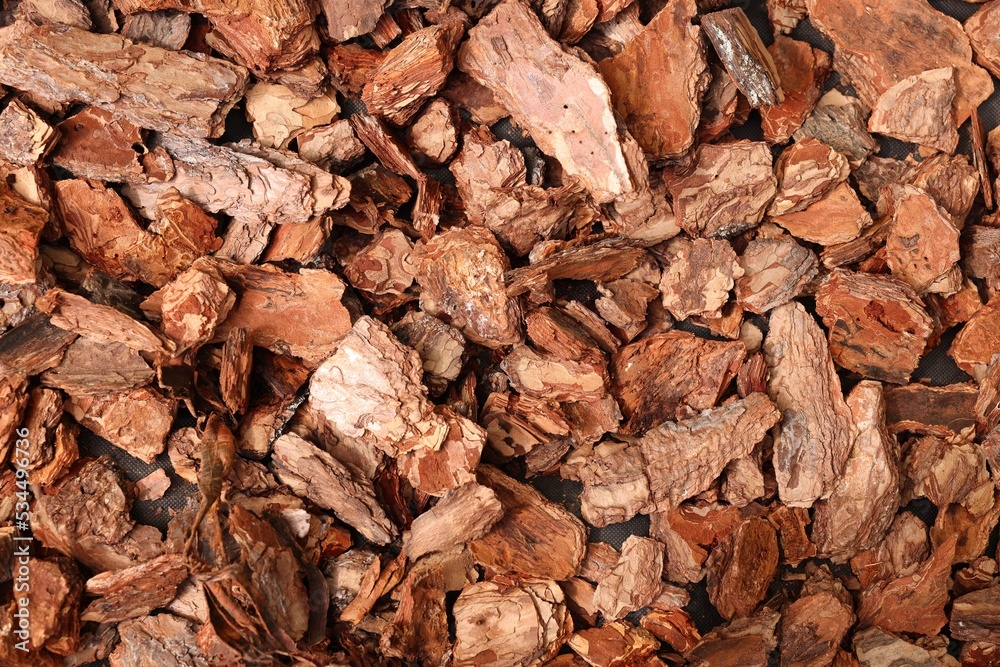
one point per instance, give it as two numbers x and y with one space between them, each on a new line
684 458
744 56
913 603
165 29
464 514
875 62
193 305
981 28
698 278
279 114
658 79
440 346
579 131
507 621
863 504
942 411
27 138
95 367
480 308
314 474
433 136
727 191
816 434
878 326
137 421
741 568
807 171
774 272
371 389
241 183
976 616
547 376
875 648
68 65
840 122
802 70
615 484
19 237
614 644
668 375
918 109
922 243
135 591
535 537
234 370
812 628
412 72
977 342
105 324
634 582
301 314
839 217
745 642
99 144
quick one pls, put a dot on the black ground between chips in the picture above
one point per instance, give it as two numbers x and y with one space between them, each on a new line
936 367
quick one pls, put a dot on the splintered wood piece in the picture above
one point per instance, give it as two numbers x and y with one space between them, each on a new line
615 485
812 629
875 648
913 603
669 375
547 376
412 72
234 369
837 218
802 69
138 421
491 177
370 389
918 109
300 314
684 458
68 65
102 228
699 275
741 567
840 121
978 340
922 244
863 504
791 523
462 515
535 537
279 114
193 305
99 144
727 191
433 136
104 324
875 61
614 644
19 237
244 184
816 434
744 56
658 79
975 616
634 582
509 621
314 474
461 275
27 138
135 591
878 326
95 529
557 97
807 171
774 272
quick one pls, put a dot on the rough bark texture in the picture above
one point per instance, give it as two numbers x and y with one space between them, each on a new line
802 70
67 65
634 582
543 85
774 272
698 278
918 109
464 514
743 54
741 567
816 433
